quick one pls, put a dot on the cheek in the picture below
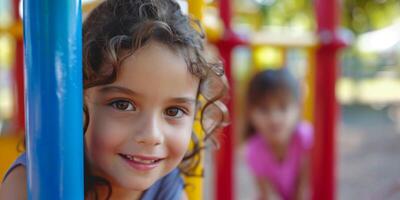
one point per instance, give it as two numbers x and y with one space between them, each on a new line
178 139
104 135
292 117
259 121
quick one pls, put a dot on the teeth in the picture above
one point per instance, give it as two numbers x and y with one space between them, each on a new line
143 161
132 158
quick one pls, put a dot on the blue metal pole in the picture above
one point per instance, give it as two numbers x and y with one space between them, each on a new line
53 71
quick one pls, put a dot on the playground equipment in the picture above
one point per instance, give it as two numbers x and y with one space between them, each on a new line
320 106
53 55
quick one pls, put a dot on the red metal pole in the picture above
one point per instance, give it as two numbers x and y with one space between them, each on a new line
326 108
18 74
225 12
224 157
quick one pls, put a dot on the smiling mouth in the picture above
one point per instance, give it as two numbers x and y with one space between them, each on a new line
141 162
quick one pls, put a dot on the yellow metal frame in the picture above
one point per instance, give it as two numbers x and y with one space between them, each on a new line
14 29
8 152
87 7
308 112
194 190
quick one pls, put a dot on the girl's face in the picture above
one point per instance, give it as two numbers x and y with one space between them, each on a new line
140 125
275 117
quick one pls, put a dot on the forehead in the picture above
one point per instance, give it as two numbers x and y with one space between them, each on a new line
275 97
157 69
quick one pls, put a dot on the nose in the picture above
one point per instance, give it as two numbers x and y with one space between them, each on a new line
276 116
149 132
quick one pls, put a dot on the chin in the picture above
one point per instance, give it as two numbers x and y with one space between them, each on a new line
136 184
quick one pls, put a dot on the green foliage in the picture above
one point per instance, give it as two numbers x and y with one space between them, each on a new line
359 16
365 15
294 13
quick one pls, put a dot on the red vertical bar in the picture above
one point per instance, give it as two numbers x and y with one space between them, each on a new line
324 154
324 160
224 156
18 74
225 13
19 80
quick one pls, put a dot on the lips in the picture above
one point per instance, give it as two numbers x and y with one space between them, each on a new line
142 163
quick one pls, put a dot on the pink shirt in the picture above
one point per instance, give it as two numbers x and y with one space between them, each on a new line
281 174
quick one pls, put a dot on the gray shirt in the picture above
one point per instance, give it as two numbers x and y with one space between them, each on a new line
170 187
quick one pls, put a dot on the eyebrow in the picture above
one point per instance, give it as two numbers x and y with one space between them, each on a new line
184 100
119 89
127 91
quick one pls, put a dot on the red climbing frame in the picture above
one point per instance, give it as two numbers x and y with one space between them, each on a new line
323 166
326 108
224 157
18 74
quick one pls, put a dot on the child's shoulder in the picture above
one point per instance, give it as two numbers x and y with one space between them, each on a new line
254 149
254 144
169 187
14 183
305 134
20 162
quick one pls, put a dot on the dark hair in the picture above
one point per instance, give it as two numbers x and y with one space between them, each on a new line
270 83
115 29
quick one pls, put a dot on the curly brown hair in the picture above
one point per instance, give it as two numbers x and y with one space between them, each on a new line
119 26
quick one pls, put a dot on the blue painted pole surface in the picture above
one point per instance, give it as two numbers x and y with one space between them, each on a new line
53 71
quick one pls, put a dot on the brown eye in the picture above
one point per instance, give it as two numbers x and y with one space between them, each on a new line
174 112
123 105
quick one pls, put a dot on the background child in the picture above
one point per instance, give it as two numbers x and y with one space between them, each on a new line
278 142
144 70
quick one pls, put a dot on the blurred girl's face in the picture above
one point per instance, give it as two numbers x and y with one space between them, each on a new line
141 124
275 117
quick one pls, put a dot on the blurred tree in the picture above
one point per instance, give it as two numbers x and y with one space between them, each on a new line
294 13
361 16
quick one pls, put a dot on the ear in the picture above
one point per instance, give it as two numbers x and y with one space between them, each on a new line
86 95
85 110
85 117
